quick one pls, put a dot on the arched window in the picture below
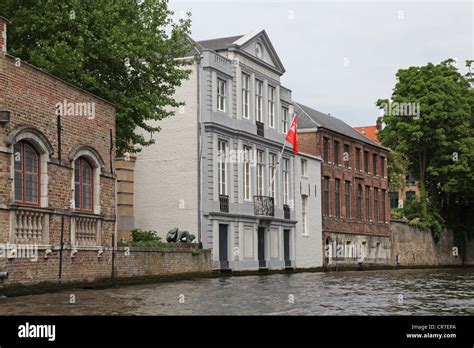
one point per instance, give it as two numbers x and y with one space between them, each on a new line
359 202
83 185
27 174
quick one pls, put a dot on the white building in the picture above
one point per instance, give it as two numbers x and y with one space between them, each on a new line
309 248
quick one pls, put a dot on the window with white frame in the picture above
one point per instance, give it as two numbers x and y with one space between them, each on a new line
222 176
247 182
304 203
284 119
260 171
259 100
221 94
245 96
286 181
273 165
271 106
304 167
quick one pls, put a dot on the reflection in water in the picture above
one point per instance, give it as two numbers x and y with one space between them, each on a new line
397 292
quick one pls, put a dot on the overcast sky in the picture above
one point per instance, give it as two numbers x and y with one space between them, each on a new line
341 56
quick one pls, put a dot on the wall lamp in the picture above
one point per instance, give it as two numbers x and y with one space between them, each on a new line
4 116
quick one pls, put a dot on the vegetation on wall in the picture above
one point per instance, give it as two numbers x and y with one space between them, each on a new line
145 238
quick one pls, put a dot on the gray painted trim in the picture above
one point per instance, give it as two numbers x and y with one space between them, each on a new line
252 217
212 127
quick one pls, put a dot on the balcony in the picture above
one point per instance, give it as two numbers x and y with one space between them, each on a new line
224 203
86 231
286 211
264 206
30 226
260 130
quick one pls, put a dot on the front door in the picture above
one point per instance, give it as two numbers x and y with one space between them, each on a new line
286 247
223 246
261 248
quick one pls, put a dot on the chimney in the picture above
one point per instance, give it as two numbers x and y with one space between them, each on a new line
379 125
3 34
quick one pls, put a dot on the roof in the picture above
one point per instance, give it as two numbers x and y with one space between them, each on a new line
370 132
218 44
310 118
238 42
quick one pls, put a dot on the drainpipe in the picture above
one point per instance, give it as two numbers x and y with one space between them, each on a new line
59 138
61 248
3 275
199 144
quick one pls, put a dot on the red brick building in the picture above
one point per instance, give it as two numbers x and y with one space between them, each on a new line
56 178
371 132
354 188
411 189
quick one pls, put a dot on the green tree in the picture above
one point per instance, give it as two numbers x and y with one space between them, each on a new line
397 170
439 139
124 51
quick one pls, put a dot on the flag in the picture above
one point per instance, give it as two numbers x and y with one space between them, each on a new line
292 136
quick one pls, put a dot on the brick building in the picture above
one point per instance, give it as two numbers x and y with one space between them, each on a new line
355 205
411 188
57 176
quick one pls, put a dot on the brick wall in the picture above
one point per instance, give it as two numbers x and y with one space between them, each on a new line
312 143
30 95
87 267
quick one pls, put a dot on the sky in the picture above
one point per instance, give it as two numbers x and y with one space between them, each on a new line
341 56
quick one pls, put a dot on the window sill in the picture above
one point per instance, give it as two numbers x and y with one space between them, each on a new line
30 207
85 214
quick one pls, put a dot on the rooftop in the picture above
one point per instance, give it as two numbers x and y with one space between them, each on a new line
311 118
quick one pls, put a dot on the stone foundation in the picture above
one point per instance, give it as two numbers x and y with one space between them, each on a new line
87 267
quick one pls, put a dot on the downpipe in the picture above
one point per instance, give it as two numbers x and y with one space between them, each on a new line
3 275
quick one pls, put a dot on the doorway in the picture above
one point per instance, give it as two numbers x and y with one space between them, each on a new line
223 246
286 247
261 248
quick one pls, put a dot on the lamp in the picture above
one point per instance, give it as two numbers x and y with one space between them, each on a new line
4 116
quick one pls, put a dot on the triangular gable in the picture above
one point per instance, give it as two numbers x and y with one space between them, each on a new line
248 43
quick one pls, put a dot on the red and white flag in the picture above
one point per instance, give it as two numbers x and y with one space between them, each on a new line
292 136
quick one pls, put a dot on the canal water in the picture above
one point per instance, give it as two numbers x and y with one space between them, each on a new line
394 292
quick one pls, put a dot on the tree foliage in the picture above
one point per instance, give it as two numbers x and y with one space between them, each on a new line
124 51
439 142
398 165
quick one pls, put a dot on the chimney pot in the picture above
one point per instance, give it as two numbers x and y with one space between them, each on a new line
3 34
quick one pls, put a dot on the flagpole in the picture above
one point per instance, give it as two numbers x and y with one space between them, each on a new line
276 168
279 160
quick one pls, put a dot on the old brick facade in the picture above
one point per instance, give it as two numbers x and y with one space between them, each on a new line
368 211
62 195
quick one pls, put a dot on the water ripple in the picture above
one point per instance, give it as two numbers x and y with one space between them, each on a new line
397 292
